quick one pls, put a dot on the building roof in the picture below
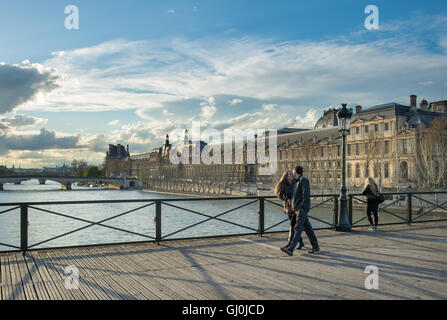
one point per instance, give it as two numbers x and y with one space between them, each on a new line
328 120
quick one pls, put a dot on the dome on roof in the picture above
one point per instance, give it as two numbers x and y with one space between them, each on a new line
423 104
328 120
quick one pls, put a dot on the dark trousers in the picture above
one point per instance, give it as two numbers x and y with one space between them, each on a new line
292 218
371 209
303 223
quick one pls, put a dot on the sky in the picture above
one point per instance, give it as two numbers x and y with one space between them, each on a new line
136 70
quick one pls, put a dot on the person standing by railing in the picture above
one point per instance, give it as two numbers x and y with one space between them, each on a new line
301 207
284 190
371 191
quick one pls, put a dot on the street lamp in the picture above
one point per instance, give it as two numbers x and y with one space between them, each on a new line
344 121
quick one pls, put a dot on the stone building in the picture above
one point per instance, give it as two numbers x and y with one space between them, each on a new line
384 143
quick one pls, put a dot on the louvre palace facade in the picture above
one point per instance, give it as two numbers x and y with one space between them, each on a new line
400 146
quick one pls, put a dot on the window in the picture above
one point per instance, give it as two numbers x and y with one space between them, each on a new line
366 171
387 170
322 152
366 147
357 149
357 130
357 170
387 126
338 151
405 146
349 171
349 149
366 129
387 147
376 171
376 127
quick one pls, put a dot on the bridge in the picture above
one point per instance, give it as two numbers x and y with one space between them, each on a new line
67 181
409 254
411 262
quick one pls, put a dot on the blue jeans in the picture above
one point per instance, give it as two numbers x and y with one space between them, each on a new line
303 223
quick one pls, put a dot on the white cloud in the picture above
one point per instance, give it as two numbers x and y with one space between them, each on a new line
426 83
171 11
236 101
167 113
114 123
209 108
22 83
22 120
269 107
147 76
307 121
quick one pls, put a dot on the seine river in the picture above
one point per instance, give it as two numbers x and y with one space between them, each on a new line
43 225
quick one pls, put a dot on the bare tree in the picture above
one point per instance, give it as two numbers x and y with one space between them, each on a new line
431 153
375 155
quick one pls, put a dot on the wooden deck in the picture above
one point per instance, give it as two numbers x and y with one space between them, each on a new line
412 262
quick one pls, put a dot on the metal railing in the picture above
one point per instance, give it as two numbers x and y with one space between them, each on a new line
159 204
391 207
329 205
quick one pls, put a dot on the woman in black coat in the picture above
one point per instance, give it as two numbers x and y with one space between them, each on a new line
371 191
284 190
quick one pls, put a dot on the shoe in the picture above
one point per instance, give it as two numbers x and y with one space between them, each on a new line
314 250
375 229
286 250
301 246
371 228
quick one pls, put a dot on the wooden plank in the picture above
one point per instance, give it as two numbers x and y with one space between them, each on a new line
16 281
177 284
114 283
64 259
201 283
26 277
52 292
160 291
57 281
90 288
125 276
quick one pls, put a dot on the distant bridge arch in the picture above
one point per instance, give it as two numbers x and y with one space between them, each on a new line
67 181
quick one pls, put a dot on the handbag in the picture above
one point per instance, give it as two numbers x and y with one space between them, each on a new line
380 198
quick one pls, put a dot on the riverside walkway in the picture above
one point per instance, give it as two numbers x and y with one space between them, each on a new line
412 262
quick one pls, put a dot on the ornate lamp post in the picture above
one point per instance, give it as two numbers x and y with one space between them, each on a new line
344 121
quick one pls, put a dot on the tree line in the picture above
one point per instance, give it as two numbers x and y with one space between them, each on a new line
80 168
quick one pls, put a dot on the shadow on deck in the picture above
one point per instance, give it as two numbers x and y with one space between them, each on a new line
412 264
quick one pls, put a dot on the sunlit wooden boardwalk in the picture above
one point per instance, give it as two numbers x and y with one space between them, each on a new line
412 263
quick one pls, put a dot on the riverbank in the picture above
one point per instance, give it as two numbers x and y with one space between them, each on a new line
195 194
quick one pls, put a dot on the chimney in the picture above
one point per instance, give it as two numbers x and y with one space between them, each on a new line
358 109
413 99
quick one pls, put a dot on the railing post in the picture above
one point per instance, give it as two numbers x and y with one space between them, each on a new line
158 221
409 208
24 228
261 216
335 221
350 208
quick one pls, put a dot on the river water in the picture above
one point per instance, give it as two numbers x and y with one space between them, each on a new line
44 225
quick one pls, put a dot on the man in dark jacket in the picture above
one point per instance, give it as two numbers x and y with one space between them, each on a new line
301 206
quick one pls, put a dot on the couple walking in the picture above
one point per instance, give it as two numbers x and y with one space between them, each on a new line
294 190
